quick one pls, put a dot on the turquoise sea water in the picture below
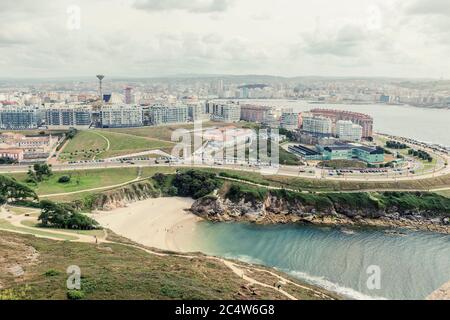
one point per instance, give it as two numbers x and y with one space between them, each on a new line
412 265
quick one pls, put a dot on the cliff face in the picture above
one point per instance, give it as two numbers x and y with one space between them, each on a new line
275 209
119 198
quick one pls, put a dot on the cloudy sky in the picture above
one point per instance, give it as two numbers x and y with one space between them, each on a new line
146 38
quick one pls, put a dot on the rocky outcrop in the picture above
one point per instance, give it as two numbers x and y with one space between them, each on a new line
121 197
275 209
118 198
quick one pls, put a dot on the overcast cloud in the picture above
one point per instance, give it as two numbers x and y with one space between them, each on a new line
148 38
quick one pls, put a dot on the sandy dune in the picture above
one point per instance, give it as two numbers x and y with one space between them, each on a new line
160 223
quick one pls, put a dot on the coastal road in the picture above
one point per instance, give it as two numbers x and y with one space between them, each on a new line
288 171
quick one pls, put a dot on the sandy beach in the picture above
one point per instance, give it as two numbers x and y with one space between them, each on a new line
161 223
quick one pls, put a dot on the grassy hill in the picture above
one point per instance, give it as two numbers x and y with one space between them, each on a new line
119 271
100 144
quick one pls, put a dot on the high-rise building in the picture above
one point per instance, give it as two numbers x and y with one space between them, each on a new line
317 125
348 131
129 99
160 114
18 118
119 116
290 120
224 111
364 120
254 113
68 117
220 88
196 111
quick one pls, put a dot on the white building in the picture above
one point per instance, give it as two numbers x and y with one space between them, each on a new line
348 131
160 114
18 118
317 125
67 116
224 111
290 120
117 116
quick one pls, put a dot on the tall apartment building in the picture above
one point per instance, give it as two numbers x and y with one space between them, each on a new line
129 98
348 131
224 111
254 113
120 116
364 120
78 117
18 118
317 125
290 120
196 111
160 114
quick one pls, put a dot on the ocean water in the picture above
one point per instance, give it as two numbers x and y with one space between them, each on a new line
424 124
411 265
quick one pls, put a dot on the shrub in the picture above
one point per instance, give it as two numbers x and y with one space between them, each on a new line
195 184
51 273
75 294
60 215
64 179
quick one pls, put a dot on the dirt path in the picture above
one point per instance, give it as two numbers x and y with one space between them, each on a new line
137 179
332 191
16 220
108 143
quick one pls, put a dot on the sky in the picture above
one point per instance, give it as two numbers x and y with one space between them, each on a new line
153 38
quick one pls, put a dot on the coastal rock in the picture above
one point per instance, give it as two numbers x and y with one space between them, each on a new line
118 198
276 209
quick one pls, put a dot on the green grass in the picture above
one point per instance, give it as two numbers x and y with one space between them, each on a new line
34 224
116 271
6 225
78 147
313 184
343 164
91 144
165 132
288 158
122 144
445 193
21 210
81 180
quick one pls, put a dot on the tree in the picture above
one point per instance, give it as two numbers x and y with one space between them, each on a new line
58 215
39 172
10 189
64 179
195 184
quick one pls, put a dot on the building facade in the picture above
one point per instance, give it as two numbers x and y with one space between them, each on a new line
196 112
353 152
290 120
317 125
68 117
160 114
224 111
254 113
18 118
121 116
364 120
348 131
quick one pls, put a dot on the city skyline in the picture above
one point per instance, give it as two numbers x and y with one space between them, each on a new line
149 38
